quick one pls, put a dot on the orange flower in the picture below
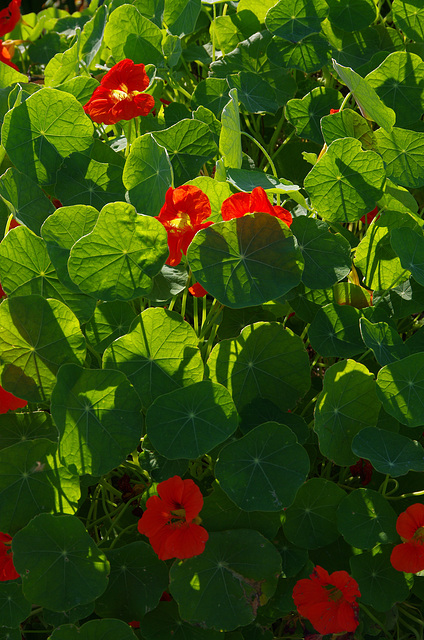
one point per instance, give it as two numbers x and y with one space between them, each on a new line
171 520
6 54
7 569
9 402
120 94
183 215
10 17
241 203
328 601
409 556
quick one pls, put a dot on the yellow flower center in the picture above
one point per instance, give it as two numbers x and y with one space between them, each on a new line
123 94
333 593
419 535
181 221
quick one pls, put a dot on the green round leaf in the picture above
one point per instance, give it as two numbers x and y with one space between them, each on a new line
293 559
136 582
398 81
409 18
409 246
26 269
33 478
265 361
389 452
335 331
61 231
403 155
346 182
384 340
164 622
307 55
380 585
110 321
30 204
296 19
352 15
119 258
159 355
189 144
256 95
326 255
400 387
311 521
263 470
73 616
375 256
348 124
236 571
220 513
190 421
95 630
147 175
84 180
130 35
98 415
347 404
57 550
181 16
40 132
305 114
19 427
37 336
211 93
365 518
257 256
14 607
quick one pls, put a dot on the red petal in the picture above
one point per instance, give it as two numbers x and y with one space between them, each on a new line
197 290
283 215
184 542
133 76
9 402
236 206
408 557
410 520
260 203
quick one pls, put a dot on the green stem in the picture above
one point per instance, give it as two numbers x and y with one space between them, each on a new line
131 527
214 311
282 145
264 151
8 223
213 32
373 618
208 347
342 106
383 486
129 133
195 316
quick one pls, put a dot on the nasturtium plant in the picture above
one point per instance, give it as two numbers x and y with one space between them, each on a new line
211 319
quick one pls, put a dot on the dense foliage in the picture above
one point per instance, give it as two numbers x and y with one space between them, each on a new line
211 327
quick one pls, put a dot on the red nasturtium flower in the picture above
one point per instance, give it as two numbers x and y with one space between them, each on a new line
7 569
120 94
409 556
197 290
370 216
328 601
6 54
171 520
9 17
9 402
183 215
237 205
